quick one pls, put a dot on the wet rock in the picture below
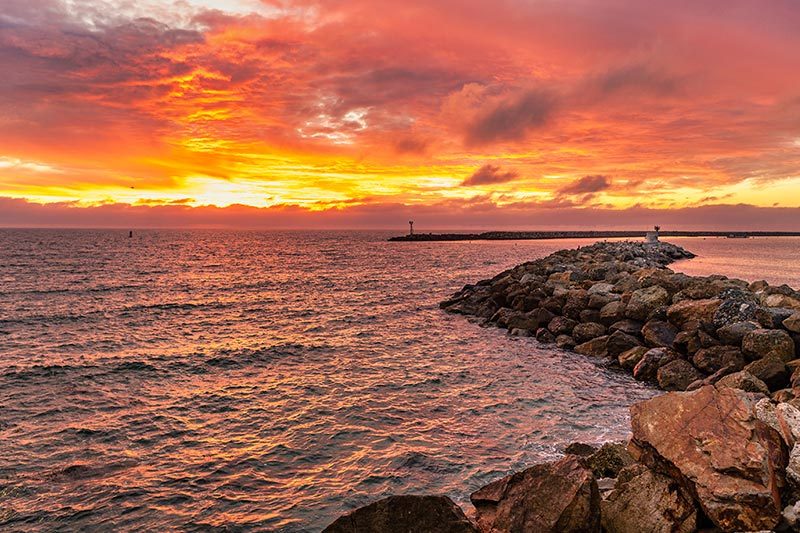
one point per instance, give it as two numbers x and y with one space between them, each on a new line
646 369
565 342
589 315
561 325
658 333
731 311
646 300
402 514
544 336
594 348
580 449
715 446
608 460
628 360
631 327
644 501
701 311
710 360
771 370
764 342
612 312
600 300
677 375
551 497
743 381
792 323
732 334
772 317
619 342
586 332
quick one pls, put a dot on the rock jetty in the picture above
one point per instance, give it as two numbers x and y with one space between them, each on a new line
620 303
719 452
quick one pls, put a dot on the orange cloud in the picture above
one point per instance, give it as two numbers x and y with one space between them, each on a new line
323 104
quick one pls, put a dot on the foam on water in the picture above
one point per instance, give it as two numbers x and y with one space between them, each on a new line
266 381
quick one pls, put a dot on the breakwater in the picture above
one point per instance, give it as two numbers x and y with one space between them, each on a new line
718 452
544 235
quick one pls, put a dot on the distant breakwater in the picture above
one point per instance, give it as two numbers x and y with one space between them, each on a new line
720 452
544 235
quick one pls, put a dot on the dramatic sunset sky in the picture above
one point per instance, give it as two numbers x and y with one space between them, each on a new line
365 113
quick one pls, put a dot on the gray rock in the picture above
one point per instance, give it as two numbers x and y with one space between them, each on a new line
646 369
763 342
771 370
619 342
594 348
565 342
551 497
658 333
710 360
743 380
586 332
402 514
631 327
646 300
643 501
677 375
631 358
732 334
772 317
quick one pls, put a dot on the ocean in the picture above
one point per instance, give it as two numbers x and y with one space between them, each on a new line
269 381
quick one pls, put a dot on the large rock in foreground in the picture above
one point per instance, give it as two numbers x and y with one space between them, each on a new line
711 442
403 514
558 497
645 501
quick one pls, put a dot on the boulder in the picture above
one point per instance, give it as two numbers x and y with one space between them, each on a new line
734 310
544 336
743 381
631 327
688 342
612 312
792 323
631 358
781 300
619 342
647 368
772 317
771 370
589 315
401 514
701 311
715 446
644 501
561 325
710 360
586 332
764 342
732 334
550 497
600 300
658 333
601 288
677 375
646 300
595 347
608 460
565 342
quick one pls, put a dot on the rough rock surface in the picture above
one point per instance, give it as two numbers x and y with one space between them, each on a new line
550 497
716 447
607 298
644 501
677 375
402 514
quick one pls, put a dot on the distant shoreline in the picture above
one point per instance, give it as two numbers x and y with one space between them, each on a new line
543 235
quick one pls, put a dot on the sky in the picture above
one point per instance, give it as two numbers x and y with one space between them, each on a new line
507 114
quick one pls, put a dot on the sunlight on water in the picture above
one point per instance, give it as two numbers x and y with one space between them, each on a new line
271 380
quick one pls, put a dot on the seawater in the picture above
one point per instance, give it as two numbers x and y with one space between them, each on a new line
267 381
